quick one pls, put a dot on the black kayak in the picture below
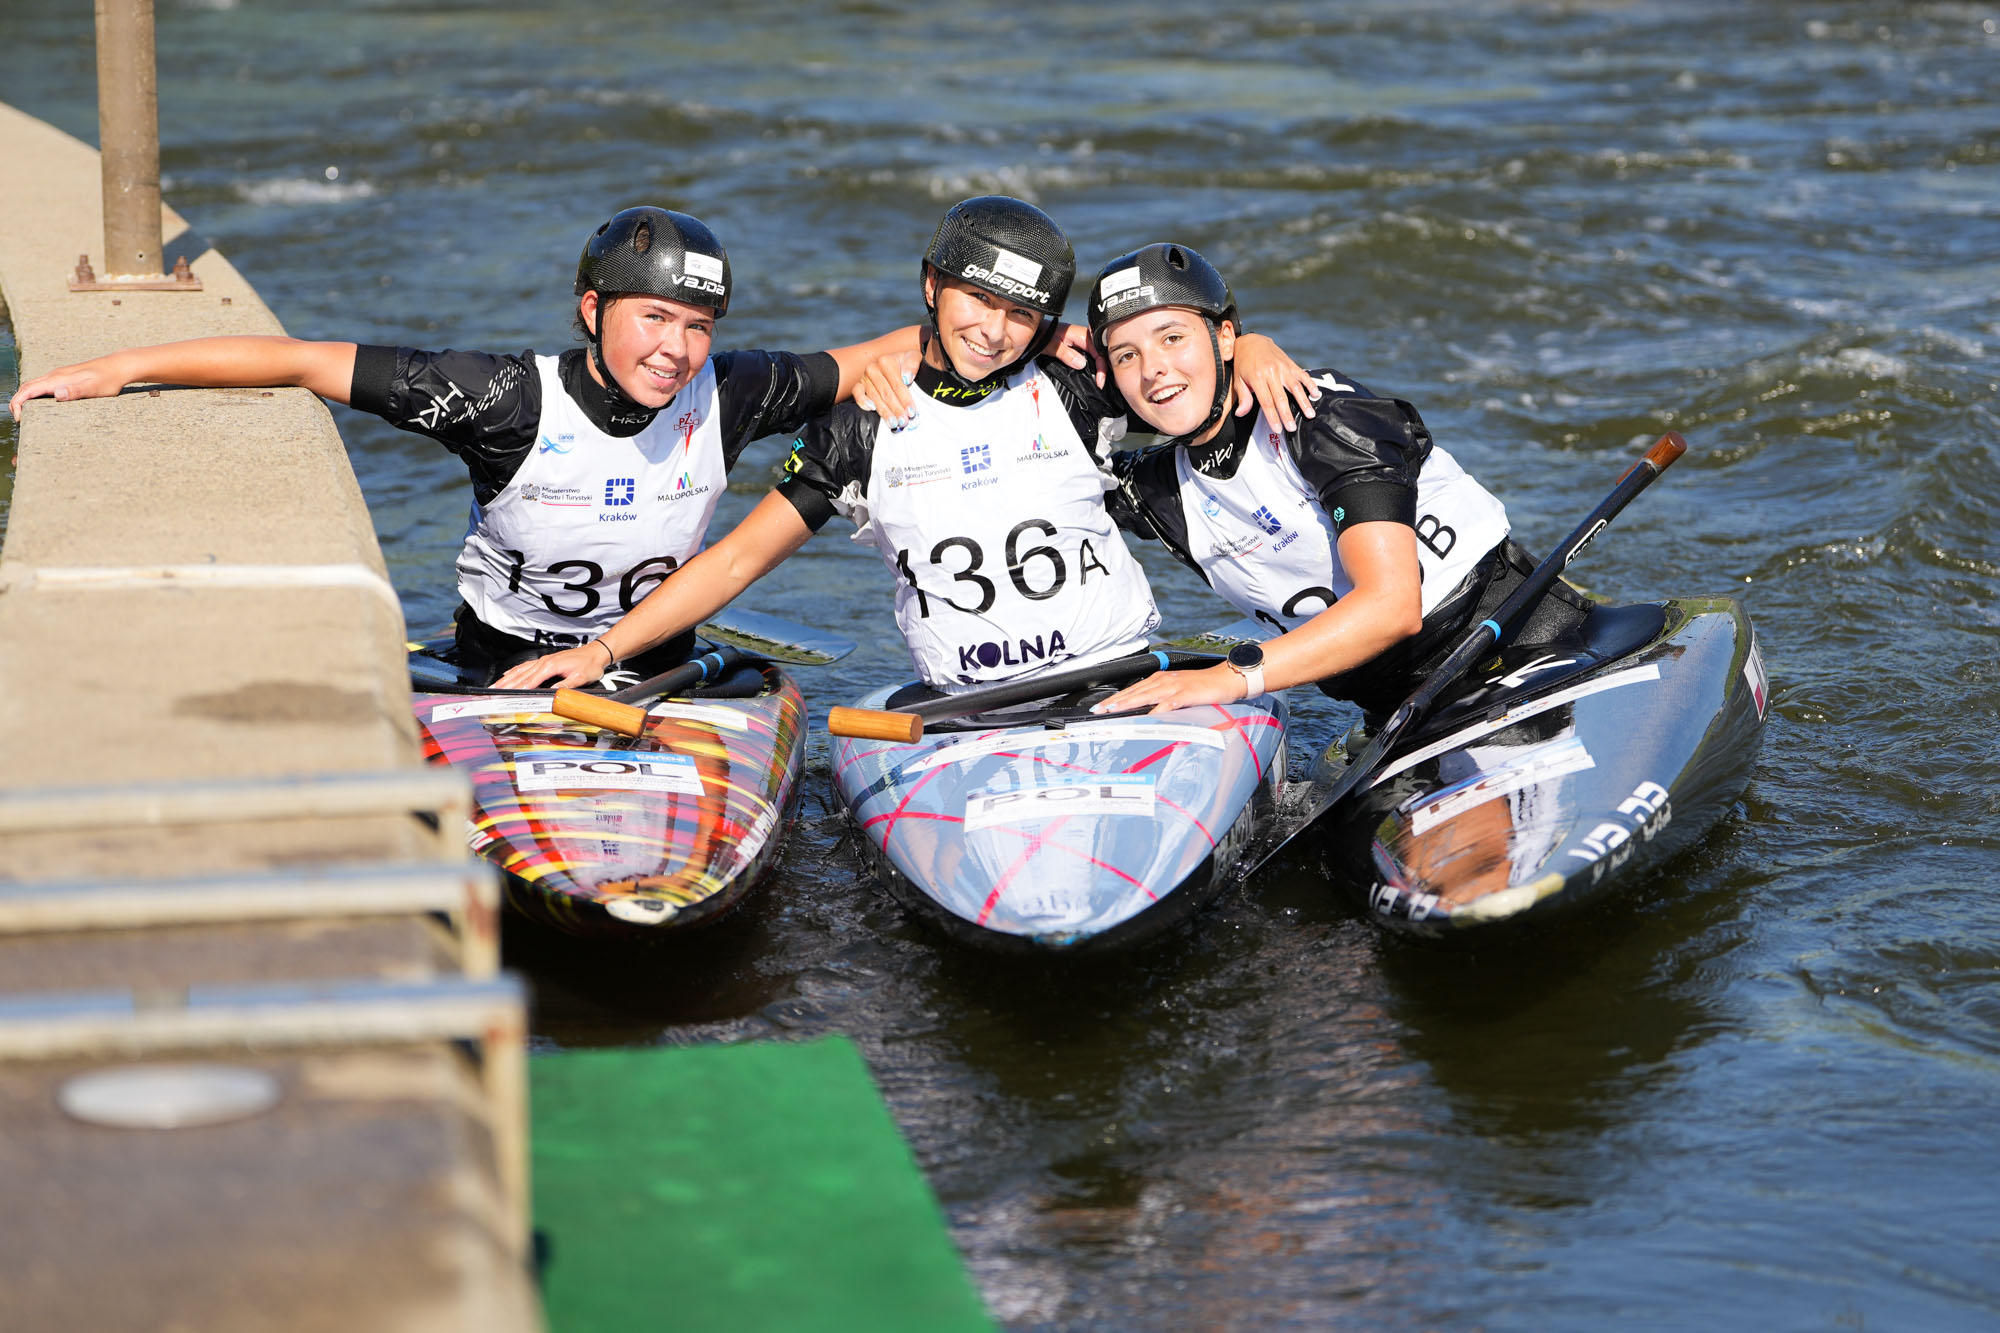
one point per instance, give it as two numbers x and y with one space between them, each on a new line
1555 773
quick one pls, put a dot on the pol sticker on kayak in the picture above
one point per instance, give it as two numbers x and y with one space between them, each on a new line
551 770
1114 794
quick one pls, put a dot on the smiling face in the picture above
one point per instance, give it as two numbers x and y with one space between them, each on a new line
652 345
981 332
1166 368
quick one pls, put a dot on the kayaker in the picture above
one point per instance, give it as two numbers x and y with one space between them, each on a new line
988 505
594 472
1369 547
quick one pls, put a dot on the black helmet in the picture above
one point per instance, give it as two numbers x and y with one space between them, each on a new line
657 252
1168 275
1154 276
1007 246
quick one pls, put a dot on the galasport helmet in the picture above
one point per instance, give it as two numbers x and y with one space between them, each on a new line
656 252
1010 248
1159 275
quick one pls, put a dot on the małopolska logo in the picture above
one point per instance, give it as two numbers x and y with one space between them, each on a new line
620 490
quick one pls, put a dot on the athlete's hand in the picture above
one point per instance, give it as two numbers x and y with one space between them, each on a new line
1075 348
1164 691
1268 379
884 388
86 379
568 669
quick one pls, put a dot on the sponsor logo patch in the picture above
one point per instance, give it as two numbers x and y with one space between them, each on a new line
1124 280
620 490
914 474
706 267
1013 653
1018 267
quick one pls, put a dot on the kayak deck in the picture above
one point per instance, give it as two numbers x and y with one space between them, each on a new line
1557 772
608 835
1059 832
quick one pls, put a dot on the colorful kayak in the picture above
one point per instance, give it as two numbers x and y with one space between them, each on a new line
602 834
1556 774
1054 831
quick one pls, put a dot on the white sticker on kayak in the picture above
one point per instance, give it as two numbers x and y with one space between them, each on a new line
1753 675
710 715
534 703
550 770
1013 742
1522 713
1113 794
1524 769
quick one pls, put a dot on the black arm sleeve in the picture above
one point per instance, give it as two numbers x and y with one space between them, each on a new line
763 393
482 407
1361 455
835 452
1088 406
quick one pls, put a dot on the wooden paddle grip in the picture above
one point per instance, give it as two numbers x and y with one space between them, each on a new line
599 712
869 725
1666 449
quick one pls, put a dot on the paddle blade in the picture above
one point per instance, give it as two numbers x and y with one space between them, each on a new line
869 724
599 712
774 637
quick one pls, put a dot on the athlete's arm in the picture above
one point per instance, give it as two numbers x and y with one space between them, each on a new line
694 592
856 359
205 363
1269 380
1385 608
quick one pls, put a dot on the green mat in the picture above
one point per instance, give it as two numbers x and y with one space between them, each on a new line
741 1188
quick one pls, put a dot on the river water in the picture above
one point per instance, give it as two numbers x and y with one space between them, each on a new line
1764 1088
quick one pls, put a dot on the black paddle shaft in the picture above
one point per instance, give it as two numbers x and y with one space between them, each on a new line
1115 672
709 666
1488 634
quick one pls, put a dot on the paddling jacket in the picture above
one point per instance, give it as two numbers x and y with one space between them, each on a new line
578 510
1258 513
989 508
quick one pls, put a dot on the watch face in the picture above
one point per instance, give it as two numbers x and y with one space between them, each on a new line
1247 655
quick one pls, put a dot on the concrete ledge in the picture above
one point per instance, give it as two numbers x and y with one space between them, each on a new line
191 595
222 677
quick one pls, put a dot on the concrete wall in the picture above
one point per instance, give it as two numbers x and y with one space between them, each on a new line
140 676
192 604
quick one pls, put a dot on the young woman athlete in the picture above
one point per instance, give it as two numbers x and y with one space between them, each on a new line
988 505
1367 546
594 473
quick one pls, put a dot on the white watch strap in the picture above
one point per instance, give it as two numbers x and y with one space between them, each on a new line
1253 681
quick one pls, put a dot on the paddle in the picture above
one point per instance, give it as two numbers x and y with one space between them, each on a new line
907 724
1487 634
753 632
614 711
774 637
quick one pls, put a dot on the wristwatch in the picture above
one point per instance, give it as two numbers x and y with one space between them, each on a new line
1247 661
